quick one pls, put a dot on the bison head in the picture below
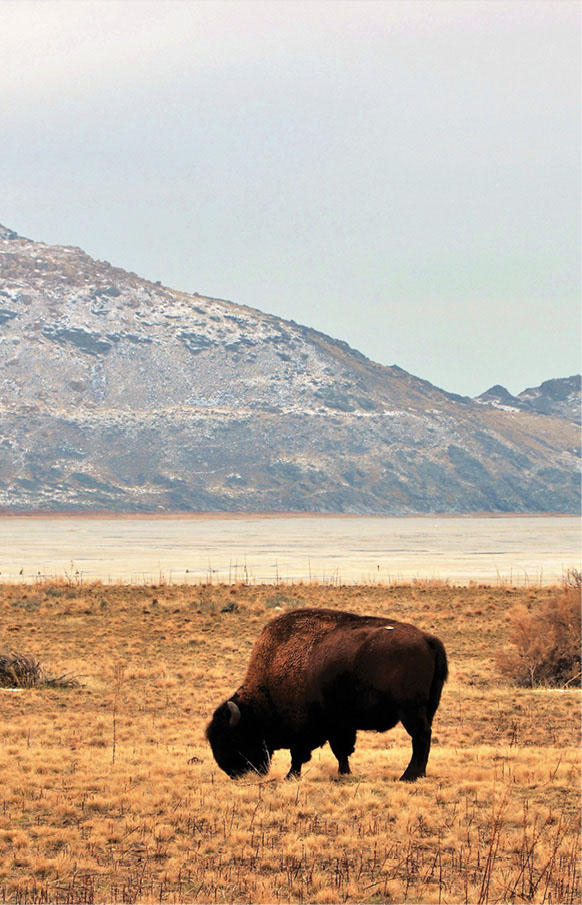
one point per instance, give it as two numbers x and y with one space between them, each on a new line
237 742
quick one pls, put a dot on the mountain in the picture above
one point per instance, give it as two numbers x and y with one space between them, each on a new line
121 394
560 397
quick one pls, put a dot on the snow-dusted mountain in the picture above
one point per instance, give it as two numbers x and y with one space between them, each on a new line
118 393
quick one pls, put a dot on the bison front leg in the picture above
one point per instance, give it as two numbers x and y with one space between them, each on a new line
342 744
418 727
299 756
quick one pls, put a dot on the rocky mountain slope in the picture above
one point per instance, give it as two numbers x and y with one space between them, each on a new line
117 393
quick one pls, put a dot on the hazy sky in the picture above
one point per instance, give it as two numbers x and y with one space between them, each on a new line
401 175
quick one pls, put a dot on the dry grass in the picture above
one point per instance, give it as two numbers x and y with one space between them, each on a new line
99 803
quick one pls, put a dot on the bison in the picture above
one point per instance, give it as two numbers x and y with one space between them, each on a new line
319 675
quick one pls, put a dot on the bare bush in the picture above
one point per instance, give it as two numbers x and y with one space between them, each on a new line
573 579
545 644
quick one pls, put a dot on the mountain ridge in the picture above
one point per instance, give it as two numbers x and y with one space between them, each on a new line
558 396
119 393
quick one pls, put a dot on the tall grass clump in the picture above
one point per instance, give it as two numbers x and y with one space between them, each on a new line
545 643
21 671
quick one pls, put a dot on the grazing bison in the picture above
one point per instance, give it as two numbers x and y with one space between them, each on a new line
319 675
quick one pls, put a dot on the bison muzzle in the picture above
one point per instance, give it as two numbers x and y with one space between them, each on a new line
318 676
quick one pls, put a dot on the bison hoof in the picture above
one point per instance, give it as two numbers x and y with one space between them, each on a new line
410 777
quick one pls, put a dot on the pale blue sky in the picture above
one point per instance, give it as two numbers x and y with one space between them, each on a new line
401 175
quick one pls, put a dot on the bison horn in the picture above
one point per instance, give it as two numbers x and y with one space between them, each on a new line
234 714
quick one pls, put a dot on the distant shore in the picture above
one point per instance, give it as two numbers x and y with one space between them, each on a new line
160 516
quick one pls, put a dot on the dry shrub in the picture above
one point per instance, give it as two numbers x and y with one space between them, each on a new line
573 579
20 671
546 643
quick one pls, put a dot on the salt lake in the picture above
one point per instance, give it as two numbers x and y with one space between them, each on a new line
270 548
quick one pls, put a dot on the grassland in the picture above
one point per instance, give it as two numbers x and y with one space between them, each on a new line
108 791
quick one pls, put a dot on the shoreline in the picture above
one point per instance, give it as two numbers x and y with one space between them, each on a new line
99 515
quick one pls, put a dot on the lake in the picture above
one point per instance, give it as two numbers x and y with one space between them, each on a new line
271 548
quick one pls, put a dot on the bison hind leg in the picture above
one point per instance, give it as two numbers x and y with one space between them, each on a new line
342 743
417 724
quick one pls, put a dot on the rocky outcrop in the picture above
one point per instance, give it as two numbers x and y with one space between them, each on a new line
560 397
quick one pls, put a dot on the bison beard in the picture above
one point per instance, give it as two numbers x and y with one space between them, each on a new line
319 675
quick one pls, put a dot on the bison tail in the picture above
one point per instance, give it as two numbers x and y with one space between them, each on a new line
440 676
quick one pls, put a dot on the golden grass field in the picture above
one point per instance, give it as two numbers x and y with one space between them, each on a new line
109 793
